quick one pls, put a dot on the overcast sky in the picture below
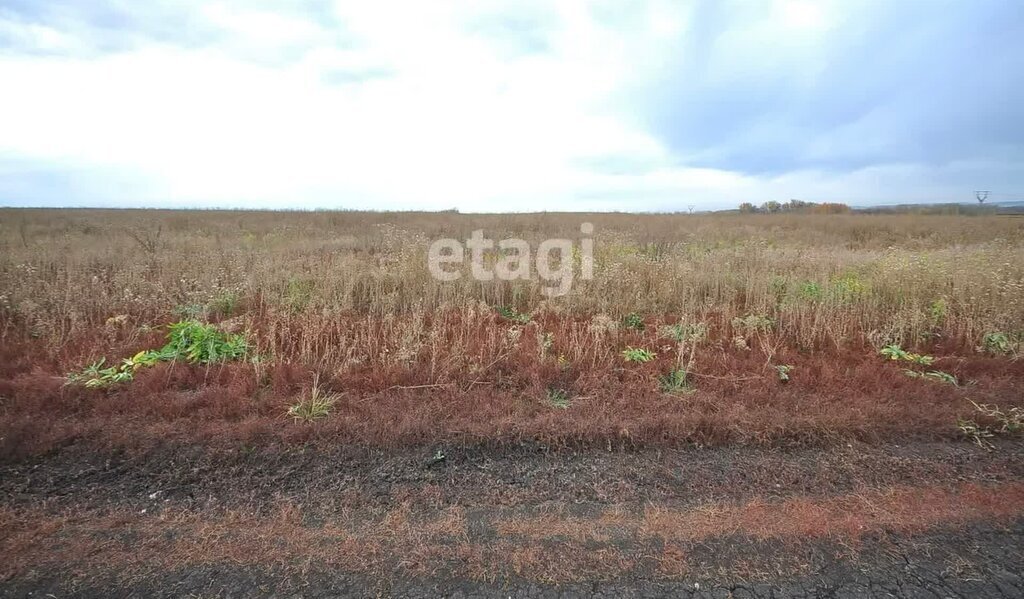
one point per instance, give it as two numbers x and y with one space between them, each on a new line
497 106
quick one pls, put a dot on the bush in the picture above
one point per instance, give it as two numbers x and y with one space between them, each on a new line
200 343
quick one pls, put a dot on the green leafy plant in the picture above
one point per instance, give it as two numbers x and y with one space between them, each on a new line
676 381
558 398
937 311
640 355
299 293
96 376
513 315
896 353
846 289
783 370
633 321
224 304
687 336
200 343
314 406
999 343
933 375
809 290
188 340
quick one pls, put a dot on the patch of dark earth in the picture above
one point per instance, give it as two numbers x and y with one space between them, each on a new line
981 560
197 477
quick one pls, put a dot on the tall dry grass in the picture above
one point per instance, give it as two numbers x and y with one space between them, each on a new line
347 299
824 280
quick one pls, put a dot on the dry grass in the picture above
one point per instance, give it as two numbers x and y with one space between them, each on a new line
347 297
824 279
860 398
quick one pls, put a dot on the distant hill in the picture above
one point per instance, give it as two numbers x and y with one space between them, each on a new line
1005 207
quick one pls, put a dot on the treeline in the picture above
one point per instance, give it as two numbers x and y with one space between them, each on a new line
797 206
958 209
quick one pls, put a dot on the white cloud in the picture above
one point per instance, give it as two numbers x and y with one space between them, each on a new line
452 125
386 104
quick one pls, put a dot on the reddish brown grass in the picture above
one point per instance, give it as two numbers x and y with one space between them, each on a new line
832 396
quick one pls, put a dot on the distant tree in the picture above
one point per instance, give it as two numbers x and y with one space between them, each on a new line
771 207
831 208
797 206
747 208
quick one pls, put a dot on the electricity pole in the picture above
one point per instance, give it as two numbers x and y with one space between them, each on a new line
981 196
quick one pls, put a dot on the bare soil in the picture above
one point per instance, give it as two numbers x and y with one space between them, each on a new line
924 519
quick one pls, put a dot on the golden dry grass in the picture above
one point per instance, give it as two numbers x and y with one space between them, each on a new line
348 297
825 279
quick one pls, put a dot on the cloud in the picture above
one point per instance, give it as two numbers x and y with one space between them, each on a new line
79 29
506 105
840 86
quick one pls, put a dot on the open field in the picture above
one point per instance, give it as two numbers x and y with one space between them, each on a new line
741 403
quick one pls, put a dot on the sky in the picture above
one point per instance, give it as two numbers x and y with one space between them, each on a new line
509 105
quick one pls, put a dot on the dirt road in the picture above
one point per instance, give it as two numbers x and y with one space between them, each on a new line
923 520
